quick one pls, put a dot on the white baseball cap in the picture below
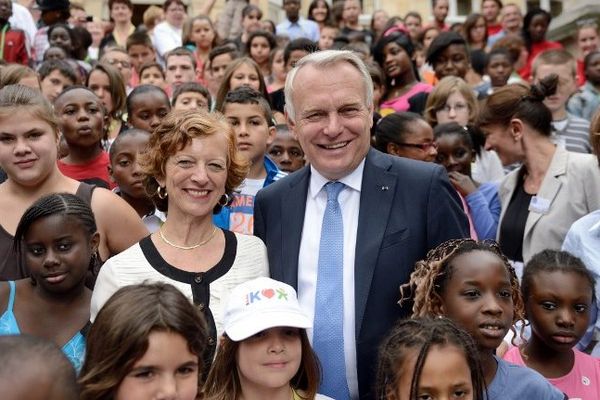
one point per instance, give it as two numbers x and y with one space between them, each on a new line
260 304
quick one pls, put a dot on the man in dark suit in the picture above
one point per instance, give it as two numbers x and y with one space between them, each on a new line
361 216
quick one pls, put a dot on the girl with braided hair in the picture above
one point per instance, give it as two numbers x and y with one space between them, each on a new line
59 239
473 284
429 358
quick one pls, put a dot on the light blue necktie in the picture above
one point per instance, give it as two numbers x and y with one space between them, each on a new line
328 336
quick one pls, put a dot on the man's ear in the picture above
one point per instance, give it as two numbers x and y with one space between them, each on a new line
392 148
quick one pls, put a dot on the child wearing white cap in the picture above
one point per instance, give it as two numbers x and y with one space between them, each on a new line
265 352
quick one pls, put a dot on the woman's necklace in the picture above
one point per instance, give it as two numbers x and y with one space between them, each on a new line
164 239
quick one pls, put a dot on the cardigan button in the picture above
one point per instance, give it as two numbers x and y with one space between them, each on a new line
199 278
201 306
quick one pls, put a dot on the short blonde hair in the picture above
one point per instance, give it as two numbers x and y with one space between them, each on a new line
439 96
174 133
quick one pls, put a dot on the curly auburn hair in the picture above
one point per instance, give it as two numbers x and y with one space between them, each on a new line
431 275
174 133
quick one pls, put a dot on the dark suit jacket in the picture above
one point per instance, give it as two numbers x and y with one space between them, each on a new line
406 208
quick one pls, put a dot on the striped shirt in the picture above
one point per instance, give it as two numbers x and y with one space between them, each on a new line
573 134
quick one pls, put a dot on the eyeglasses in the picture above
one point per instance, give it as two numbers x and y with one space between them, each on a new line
124 64
421 146
458 107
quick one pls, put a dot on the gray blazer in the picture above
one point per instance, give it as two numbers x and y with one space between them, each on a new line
571 185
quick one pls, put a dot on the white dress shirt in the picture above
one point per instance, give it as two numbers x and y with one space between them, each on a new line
308 258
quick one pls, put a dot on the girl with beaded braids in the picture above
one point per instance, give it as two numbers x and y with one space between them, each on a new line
429 358
59 239
552 189
473 284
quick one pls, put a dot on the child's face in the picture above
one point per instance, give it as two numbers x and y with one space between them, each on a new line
295 56
478 297
499 69
456 110
592 71
454 154
191 101
278 66
244 75
58 252
167 369
120 61
99 82
286 152
179 70
219 65
558 308
81 118
414 26
587 40
124 168
430 35
260 49
140 54
147 110
566 85
269 359
53 84
445 375
328 35
252 131
251 22
537 28
202 34
419 144
60 38
55 53
25 130
152 76
396 60
454 61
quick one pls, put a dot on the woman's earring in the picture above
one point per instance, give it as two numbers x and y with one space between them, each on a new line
161 195
226 200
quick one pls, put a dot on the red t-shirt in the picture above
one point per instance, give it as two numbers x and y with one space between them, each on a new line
493 29
537 48
15 50
95 172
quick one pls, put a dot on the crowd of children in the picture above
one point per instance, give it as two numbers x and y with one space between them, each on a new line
509 313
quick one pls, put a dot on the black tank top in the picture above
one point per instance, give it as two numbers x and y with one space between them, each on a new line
12 266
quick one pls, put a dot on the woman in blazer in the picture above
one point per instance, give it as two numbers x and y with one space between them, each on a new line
552 188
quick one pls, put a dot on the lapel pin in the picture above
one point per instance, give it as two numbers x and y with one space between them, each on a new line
384 188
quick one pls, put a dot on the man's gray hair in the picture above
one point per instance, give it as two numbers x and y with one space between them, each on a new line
321 60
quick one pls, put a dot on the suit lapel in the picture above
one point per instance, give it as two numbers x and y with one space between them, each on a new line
549 188
376 197
293 205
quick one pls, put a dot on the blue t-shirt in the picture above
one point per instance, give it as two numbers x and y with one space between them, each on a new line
520 383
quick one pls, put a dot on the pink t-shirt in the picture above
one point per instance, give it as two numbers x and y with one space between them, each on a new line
400 104
582 383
